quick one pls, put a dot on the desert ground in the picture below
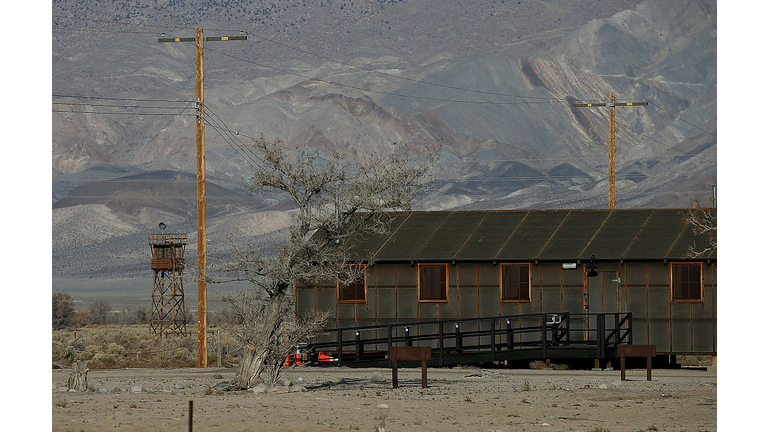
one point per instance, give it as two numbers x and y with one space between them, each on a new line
342 398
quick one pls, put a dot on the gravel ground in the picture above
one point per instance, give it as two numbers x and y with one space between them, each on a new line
341 398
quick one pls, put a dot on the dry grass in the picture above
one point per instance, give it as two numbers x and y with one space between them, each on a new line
123 346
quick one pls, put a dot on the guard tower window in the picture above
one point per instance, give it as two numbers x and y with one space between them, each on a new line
515 282
687 281
356 291
433 282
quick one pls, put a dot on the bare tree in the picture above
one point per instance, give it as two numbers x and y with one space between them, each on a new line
704 222
100 312
246 315
335 199
63 310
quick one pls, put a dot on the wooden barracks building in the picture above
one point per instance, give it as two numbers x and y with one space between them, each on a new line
452 265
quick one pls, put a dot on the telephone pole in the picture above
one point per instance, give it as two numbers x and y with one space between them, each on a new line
611 143
202 289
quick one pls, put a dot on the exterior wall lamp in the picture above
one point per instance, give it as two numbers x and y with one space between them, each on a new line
592 267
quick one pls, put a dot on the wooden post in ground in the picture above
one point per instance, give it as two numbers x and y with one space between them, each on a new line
79 378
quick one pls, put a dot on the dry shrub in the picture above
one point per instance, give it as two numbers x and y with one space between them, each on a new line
115 346
540 365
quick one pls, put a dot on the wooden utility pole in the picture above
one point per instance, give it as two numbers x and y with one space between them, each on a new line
611 143
202 289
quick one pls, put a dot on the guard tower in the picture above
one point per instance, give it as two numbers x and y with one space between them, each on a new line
168 316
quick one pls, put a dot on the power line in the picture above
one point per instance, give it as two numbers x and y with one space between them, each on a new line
414 80
120 113
365 90
118 103
233 140
123 99
665 145
119 106
681 119
539 99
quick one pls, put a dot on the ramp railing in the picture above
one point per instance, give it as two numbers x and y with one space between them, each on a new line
478 340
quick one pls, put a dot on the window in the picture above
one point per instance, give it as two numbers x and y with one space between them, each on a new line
433 282
515 282
355 291
687 281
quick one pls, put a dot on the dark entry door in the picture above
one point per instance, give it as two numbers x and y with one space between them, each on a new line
602 295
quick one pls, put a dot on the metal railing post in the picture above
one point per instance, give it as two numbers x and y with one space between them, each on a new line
543 318
358 346
510 337
600 336
338 346
493 339
459 340
440 343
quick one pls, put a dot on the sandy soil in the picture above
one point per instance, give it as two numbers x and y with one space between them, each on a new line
459 399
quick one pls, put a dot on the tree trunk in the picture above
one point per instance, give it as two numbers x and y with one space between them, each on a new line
79 378
252 361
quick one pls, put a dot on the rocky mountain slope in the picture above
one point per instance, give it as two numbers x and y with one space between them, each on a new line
494 81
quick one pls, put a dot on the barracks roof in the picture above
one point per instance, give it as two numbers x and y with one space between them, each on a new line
531 235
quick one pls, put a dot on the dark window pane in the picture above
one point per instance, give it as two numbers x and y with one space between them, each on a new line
686 281
354 291
515 282
432 282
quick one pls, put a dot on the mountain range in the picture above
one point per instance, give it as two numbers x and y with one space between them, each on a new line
494 82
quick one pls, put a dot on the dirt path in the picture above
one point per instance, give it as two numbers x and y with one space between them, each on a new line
347 399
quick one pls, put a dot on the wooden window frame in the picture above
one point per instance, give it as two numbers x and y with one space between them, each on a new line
418 283
672 282
501 283
365 287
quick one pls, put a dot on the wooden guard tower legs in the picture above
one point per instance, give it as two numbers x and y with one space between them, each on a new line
168 314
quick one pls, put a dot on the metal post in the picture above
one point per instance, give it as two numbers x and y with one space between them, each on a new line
440 342
493 339
358 346
600 336
338 346
543 318
459 340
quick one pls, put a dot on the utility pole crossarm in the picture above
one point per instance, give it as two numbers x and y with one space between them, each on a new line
207 39
611 142
202 290
602 104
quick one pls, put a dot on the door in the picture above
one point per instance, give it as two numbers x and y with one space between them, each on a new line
602 295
